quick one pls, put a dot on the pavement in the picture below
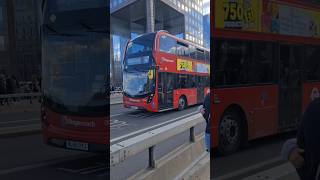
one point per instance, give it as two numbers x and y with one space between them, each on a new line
260 155
116 99
285 171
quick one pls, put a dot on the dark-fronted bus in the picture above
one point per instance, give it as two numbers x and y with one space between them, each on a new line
265 68
75 46
162 72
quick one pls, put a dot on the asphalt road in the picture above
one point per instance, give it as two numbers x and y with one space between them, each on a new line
126 123
28 158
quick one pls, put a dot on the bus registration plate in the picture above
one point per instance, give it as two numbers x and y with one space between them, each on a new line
77 145
134 107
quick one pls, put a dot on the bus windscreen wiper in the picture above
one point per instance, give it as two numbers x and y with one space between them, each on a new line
91 29
58 33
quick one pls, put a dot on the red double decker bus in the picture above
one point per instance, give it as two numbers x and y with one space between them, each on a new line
162 72
266 68
75 58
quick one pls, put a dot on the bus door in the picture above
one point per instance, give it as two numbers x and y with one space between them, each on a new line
165 90
290 91
200 89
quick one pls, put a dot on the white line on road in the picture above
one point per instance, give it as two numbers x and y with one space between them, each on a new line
39 165
115 124
114 115
149 128
16 121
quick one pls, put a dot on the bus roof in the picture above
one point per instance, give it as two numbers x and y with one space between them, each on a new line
183 40
168 34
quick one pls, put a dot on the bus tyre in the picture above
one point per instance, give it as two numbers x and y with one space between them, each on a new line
182 103
230 132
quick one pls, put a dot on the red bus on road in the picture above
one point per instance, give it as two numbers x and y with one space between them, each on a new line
266 68
162 72
75 45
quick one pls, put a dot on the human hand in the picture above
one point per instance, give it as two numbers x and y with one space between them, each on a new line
296 158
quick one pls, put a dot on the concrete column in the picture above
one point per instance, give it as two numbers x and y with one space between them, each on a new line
112 61
150 16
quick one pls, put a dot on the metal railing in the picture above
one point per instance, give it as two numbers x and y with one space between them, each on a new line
6 99
121 151
115 92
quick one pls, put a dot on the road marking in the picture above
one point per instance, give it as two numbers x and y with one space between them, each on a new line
117 114
39 165
237 174
115 124
16 121
151 127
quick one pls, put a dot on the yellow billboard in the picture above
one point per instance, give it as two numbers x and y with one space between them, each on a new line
267 16
184 65
238 14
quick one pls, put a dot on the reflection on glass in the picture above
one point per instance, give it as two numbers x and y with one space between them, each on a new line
137 84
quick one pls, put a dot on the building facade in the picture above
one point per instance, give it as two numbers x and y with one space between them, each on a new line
5 63
206 24
129 18
27 37
20 38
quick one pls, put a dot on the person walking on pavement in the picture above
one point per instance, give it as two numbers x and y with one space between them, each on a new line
304 151
3 90
205 111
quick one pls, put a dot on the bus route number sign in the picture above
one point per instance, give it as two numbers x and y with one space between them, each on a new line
184 65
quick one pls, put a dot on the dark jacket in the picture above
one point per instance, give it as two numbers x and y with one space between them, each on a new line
309 139
206 106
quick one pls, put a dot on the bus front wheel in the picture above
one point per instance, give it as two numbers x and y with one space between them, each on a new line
182 103
230 132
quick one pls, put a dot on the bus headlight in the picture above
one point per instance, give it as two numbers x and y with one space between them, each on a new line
150 98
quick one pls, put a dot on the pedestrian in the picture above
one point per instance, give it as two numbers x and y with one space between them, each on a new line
2 87
206 113
9 85
304 151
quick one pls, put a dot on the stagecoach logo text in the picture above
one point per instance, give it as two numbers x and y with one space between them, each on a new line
166 60
65 121
134 100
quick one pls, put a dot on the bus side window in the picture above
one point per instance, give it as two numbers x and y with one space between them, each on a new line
191 81
312 63
167 44
182 81
182 49
193 53
200 55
